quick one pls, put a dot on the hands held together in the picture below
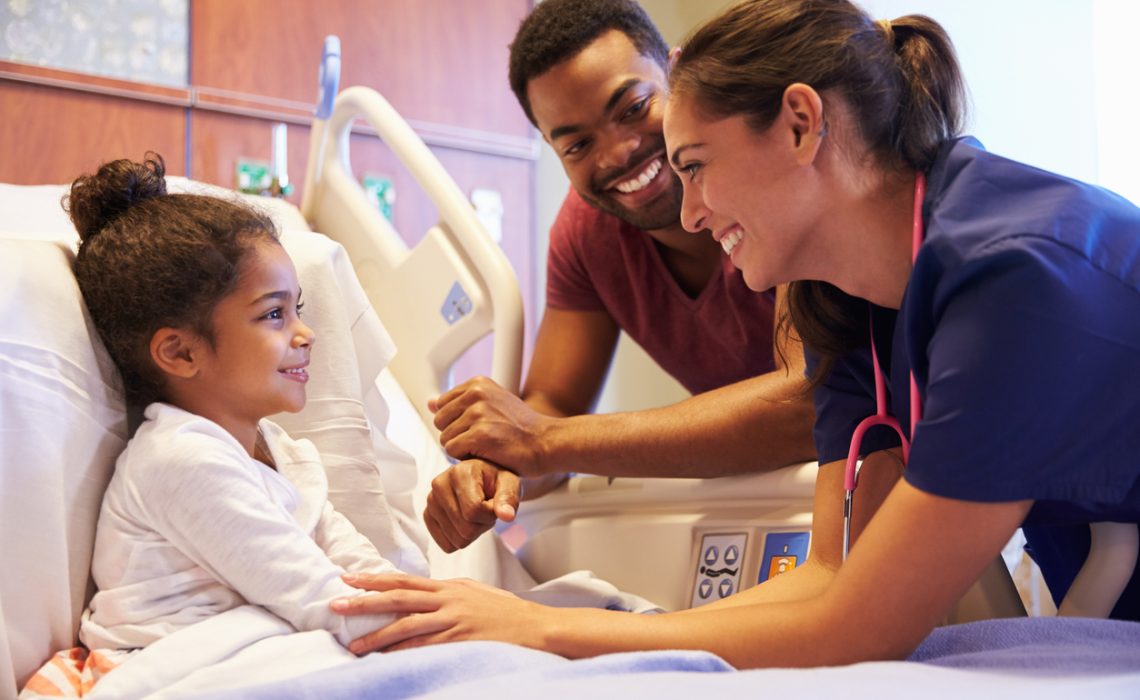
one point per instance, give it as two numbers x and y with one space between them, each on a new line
485 426
481 420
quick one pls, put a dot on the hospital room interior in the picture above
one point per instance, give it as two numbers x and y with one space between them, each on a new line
410 189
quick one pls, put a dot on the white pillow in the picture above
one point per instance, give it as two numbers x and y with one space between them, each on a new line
62 425
35 212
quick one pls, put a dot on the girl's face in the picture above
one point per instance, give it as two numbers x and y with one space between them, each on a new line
746 188
257 366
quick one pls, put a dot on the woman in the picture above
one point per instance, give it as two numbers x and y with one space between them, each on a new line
816 144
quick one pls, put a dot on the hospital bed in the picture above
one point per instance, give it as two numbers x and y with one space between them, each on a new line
676 543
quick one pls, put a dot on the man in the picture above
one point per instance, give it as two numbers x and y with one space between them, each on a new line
591 76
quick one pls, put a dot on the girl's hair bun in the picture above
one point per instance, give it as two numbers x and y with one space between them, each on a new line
97 200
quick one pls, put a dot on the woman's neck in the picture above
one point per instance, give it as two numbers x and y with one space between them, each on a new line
871 239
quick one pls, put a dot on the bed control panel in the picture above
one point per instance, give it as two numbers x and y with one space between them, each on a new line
783 551
457 305
720 562
725 562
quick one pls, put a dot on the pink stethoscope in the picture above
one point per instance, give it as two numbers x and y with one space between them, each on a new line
881 417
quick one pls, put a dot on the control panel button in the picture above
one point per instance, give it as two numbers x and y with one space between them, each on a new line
724 590
783 551
719 564
731 554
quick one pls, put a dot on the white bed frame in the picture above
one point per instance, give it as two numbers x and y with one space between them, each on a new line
437 299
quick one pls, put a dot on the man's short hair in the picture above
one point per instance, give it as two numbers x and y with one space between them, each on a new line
558 29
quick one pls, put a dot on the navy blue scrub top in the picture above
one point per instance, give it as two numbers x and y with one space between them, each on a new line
1022 323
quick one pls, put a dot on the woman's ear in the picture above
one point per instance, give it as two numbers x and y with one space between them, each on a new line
176 351
674 54
802 114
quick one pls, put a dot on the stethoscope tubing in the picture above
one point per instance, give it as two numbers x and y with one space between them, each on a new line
882 417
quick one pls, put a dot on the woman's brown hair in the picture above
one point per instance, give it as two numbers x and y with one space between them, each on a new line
900 80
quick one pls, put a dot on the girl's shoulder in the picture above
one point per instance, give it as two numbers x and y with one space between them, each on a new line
172 441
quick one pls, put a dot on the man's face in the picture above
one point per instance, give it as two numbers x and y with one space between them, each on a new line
601 111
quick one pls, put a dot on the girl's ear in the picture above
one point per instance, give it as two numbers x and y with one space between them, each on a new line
802 114
176 351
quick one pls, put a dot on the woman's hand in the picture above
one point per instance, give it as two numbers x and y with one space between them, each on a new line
433 612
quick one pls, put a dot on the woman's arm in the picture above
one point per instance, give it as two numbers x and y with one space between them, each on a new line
878 475
912 563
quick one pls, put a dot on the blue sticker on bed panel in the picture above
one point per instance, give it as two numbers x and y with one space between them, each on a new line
783 551
457 305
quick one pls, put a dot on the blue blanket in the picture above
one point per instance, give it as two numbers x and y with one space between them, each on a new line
1039 658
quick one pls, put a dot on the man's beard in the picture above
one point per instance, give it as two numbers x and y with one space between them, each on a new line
663 212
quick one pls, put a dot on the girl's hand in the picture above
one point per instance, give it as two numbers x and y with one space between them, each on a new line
433 612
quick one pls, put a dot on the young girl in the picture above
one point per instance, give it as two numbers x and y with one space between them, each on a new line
211 505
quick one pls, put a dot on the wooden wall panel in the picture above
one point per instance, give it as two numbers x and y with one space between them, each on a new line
218 141
440 61
51 135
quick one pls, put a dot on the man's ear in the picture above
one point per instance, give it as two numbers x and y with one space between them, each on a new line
176 351
801 114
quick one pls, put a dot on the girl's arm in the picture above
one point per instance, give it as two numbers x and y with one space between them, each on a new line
345 547
216 513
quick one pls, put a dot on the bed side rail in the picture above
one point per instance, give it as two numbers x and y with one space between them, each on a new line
438 298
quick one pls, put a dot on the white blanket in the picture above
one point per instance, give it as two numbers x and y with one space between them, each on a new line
248 646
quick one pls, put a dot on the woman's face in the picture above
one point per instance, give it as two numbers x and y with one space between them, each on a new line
745 187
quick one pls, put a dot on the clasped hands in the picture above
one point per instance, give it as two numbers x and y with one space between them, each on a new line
485 426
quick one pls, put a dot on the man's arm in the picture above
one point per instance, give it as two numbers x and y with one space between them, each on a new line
754 425
571 357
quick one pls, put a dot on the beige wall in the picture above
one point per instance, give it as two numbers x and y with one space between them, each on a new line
676 18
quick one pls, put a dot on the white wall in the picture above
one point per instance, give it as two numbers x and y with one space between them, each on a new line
1117 53
1053 83
1029 68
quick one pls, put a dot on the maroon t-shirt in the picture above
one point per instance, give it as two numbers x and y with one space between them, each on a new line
600 263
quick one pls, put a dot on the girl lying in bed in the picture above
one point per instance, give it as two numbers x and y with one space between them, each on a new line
211 505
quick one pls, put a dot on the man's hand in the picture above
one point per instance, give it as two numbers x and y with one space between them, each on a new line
480 419
467 499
